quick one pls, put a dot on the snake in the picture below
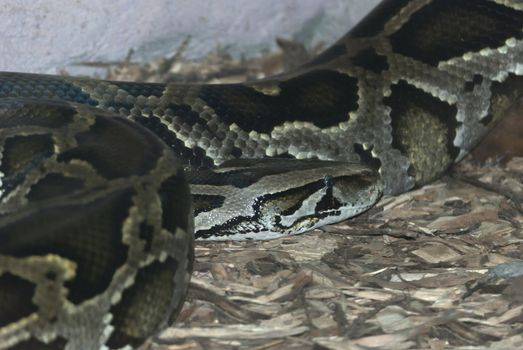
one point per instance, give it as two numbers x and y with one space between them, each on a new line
105 185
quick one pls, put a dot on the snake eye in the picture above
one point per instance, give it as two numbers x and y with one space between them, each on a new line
329 181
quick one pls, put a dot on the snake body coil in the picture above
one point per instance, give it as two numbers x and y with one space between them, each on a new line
96 216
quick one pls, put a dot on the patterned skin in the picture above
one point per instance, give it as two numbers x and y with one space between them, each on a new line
96 218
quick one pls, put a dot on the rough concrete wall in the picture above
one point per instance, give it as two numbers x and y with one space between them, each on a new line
50 35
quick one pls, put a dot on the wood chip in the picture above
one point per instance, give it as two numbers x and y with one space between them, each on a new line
236 332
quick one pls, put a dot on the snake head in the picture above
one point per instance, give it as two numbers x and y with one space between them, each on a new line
268 198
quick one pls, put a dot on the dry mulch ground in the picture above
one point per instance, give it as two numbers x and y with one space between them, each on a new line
436 268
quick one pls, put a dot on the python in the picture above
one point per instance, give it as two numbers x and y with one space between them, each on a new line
105 185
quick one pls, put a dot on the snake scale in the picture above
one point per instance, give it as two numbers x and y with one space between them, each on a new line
96 217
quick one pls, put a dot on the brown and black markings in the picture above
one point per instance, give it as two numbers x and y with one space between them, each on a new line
409 91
